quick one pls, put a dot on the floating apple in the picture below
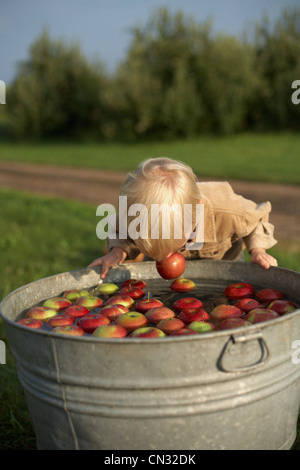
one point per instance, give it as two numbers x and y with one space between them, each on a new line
132 320
202 326
188 315
113 311
238 290
170 324
182 285
92 320
233 323
121 300
187 302
73 294
268 295
72 330
134 282
222 311
282 306
58 303
183 332
76 311
133 292
171 267
90 301
41 313
246 304
110 331
31 322
107 288
147 304
61 320
156 314
147 332
261 314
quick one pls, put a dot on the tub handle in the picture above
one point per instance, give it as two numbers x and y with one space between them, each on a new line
235 340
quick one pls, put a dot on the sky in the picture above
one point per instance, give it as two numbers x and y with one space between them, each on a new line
102 27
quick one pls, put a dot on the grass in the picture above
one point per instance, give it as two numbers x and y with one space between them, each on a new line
39 237
253 157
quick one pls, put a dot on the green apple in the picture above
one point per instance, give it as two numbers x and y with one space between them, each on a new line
201 326
107 288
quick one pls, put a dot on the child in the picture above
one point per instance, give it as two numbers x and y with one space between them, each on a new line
230 222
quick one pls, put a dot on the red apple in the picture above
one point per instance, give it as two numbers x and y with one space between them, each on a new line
261 314
72 330
73 294
188 315
156 314
57 302
41 313
222 311
239 290
76 311
144 305
31 322
187 302
201 326
183 332
171 267
61 320
182 285
133 292
113 311
147 332
247 304
89 301
110 331
170 324
92 320
134 282
121 300
132 320
282 306
233 323
268 294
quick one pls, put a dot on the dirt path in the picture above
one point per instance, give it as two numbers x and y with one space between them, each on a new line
97 186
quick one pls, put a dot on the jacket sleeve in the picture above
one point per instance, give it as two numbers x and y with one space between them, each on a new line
259 231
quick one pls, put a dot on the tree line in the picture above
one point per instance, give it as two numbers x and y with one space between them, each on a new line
178 79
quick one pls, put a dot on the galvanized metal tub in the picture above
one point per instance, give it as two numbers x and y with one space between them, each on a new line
234 389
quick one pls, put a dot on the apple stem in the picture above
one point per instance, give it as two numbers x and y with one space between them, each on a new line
148 295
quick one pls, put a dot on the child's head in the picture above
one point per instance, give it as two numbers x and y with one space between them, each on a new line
162 181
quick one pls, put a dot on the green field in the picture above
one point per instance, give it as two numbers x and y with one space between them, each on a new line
253 157
39 237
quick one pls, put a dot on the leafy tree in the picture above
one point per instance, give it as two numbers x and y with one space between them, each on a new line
180 80
278 65
57 92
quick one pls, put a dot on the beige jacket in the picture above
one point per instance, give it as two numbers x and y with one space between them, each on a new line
231 223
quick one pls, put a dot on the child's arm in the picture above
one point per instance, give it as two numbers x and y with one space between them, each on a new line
261 257
116 256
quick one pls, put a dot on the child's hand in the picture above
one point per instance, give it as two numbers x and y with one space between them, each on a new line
259 256
116 256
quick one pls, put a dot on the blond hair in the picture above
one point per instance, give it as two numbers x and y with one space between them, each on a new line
168 183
